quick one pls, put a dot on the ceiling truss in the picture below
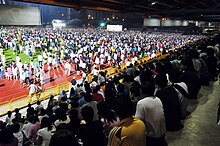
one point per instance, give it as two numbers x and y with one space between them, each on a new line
194 9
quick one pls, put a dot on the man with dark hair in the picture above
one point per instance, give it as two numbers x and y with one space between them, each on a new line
130 131
170 101
130 69
63 104
150 111
30 111
18 115
7 138
91 133
96 96
63 137
18 133
93 104
190 78
26 127
181 89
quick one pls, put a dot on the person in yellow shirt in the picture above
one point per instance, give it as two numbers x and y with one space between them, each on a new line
130 131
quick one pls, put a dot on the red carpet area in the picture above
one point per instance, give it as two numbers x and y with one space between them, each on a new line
10 89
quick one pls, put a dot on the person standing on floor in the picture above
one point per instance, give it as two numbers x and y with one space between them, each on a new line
32 87
130 131
171 103
41 75
150 111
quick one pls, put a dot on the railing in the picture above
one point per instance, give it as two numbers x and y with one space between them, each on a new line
23 101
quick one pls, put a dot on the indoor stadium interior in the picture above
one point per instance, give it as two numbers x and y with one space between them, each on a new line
109 72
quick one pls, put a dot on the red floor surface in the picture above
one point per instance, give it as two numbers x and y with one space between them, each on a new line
11 89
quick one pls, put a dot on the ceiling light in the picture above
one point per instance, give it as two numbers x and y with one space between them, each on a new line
153 3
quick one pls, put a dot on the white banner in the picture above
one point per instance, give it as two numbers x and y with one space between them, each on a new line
114 27
17 15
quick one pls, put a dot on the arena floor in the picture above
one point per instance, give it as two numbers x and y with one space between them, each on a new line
11 89
200 128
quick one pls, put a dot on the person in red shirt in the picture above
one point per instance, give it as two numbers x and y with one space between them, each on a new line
96 96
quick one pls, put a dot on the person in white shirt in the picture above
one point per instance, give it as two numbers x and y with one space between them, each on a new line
32 67
45 133
137 76
102 61
27 127
18 59
8 119
19 65
50 60
18 133
150 111
45 56
127 62
153 55
22 76
15 72
41 75
95 71
33 88
21 49
27 52
40 59
97 60
101 78
25 65
67 68
62 117
83 65
84 76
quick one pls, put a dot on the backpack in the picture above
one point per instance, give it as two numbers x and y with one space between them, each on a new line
181 90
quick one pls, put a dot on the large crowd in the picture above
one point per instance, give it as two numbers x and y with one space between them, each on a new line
134 108
88 50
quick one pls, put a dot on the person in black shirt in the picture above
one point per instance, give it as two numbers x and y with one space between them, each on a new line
91 133
171 104
30 111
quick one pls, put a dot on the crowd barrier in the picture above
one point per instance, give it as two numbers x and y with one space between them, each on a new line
112 71
23 101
